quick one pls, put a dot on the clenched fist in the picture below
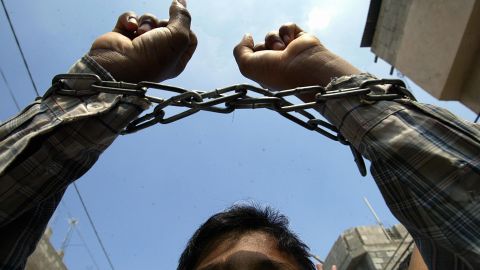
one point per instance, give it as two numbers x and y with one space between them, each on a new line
146 48
289 58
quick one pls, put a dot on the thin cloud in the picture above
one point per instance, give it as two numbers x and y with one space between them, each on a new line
319 19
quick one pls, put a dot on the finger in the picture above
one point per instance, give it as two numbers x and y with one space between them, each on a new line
334 267
146 23
290 31
259 47
243 53
162 23
180 18
274 42
193 44
319 267
187 55
127 24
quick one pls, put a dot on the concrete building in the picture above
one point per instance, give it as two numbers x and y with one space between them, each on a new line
45 256
371 248
436 43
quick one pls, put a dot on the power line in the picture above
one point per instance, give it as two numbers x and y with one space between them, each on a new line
87 248
93 226
9 89
37 93
20 49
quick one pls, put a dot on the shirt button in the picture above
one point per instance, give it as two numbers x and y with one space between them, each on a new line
93 106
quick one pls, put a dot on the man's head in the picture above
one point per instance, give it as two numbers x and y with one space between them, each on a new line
245 237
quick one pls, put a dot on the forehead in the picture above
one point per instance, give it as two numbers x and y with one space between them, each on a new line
253 248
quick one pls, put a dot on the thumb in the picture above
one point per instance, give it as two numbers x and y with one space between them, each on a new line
243 53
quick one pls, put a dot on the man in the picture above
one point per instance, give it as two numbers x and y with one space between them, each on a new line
425 161
245 237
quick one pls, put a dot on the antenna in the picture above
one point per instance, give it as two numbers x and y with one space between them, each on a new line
317 258
379 222
72 223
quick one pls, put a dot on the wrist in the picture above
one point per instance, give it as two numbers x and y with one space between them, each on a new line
351 115
103 58
327 67
335 66
87 65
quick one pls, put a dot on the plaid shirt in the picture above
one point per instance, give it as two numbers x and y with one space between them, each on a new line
45 148
425 161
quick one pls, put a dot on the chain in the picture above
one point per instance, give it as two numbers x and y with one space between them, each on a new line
228 99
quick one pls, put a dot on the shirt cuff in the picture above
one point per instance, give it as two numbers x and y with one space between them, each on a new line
102 111
70 108
86 65
352 116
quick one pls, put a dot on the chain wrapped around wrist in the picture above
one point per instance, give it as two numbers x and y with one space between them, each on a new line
231 98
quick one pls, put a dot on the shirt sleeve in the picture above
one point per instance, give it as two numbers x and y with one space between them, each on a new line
426 163
51 143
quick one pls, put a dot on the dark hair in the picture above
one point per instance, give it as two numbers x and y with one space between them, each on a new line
241 219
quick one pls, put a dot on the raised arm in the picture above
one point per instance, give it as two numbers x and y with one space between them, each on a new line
57 139
425 161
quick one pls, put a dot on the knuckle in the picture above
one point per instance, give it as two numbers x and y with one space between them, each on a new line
236 50
148 18
244 68
149 15
181 11
162 23
270 34
128 14
258 46
193 37
287 27
180 38
125 16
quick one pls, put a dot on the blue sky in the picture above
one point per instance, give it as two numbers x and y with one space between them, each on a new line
151 190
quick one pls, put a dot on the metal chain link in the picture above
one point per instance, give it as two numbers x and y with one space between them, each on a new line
228 99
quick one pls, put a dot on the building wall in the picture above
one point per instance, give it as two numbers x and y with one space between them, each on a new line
471 94
431 45
368 248
45 256
436 43
390 28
